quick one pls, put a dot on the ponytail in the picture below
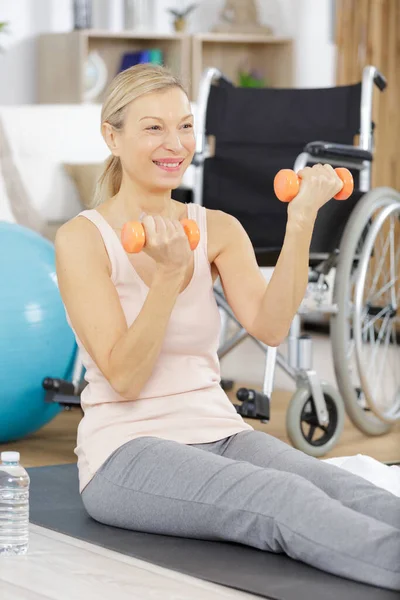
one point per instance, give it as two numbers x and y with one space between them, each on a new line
109 181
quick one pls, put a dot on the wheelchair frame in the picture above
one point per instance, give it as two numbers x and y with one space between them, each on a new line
299 363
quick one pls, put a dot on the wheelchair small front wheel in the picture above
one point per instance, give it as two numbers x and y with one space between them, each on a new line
303 429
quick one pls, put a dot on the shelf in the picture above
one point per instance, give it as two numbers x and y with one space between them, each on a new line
270 55
243 38
62 57
130 35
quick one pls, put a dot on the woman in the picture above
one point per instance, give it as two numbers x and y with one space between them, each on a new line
161 448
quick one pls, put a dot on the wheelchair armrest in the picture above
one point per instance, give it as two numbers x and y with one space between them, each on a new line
328 150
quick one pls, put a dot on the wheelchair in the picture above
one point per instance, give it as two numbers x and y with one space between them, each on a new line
243 138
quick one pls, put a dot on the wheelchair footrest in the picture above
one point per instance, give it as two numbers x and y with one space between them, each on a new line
62 399
255 405
61 391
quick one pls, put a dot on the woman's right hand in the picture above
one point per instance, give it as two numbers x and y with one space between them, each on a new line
166 242
319 184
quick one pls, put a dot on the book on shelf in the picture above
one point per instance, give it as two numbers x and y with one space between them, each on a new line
129 59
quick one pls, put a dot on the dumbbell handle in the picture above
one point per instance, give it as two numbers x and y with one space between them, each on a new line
287 184
133 236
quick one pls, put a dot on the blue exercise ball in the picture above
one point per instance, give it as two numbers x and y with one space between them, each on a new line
35 338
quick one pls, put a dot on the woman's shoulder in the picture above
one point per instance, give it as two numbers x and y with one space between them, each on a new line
221 223
77 234
74 227
221 229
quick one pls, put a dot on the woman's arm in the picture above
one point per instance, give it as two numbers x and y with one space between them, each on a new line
288 283
266 311
125 356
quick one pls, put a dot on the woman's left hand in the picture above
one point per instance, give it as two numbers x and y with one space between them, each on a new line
318 184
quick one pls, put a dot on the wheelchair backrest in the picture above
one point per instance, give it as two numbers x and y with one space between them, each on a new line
260 131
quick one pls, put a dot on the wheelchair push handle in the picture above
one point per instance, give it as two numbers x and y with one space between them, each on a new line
133 236
287 184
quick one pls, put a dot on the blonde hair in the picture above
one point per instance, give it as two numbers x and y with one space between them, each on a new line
123 89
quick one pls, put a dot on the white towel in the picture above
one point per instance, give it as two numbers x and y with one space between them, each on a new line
374 471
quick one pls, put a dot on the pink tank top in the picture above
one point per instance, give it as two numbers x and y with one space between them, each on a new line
183 400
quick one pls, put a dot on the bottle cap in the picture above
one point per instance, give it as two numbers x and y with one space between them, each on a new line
10 457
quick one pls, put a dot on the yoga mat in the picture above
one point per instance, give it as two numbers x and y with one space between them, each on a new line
55 504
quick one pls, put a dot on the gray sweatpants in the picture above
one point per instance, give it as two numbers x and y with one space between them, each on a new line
253 489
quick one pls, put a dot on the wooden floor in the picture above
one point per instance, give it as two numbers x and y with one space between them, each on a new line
55 443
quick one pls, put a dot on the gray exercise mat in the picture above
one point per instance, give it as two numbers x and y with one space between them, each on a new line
55 503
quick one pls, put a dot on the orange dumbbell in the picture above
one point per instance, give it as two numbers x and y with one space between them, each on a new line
133 235
287 184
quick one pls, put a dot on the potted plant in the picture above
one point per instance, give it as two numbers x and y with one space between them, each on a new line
180 16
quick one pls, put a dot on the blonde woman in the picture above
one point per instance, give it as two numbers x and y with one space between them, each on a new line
161 448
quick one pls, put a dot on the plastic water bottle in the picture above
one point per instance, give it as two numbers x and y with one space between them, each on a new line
14 505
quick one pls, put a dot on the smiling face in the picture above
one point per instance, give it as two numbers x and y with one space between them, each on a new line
156 143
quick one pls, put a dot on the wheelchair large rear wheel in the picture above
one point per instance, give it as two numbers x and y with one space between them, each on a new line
377 315
356 364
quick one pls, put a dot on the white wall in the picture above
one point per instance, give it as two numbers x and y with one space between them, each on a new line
27 19
308 21
315 54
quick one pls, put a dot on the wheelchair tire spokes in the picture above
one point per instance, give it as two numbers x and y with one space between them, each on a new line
376 315
346 353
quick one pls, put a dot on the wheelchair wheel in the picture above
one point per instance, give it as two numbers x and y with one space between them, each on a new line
377 315
303 429
353 372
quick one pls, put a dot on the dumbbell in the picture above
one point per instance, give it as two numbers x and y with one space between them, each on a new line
287 184
133 236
